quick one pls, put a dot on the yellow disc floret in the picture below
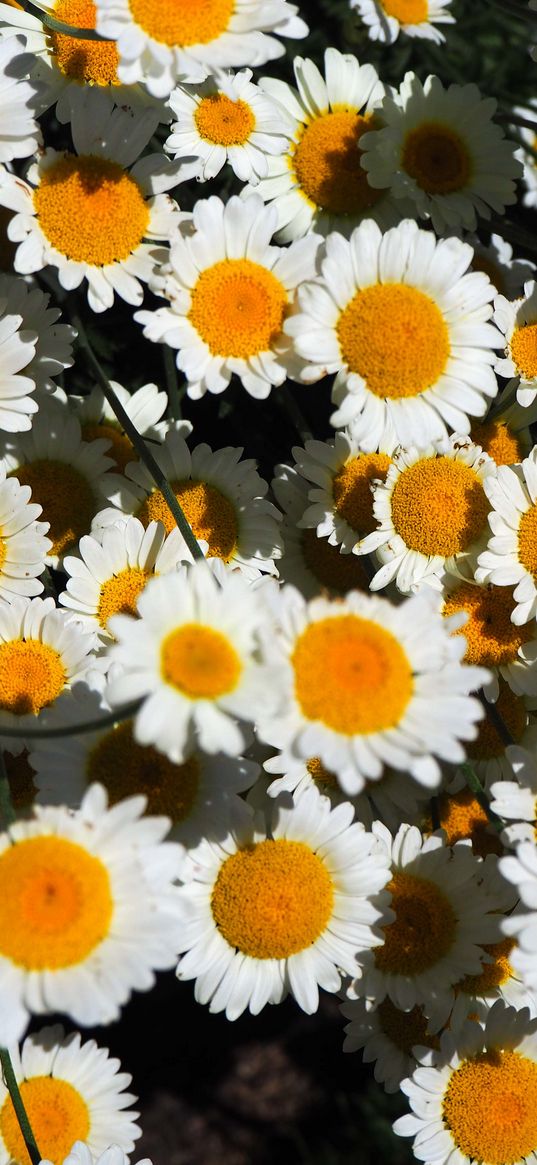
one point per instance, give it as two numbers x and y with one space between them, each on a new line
32 676
437 158
238 308
462 818
523 347
200 662
92 62
120 594
126 768
333 570
424 929
91 210
498 440
58 1116
121 452
326 163
527 541
183 22
439 506
211 515
272 899
395 338
352 675
407 11
55 903
490 1107
492 639
351 489
66 497
224 122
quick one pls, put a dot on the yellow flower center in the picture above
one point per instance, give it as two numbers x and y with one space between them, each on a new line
212 516
439 506
91 210
492 639
200 662
437 158
407 11
120 594
121 452
183 22
224 122
512 711
405 1029
527 541
490 1107
498 440
20 775
55 903
272 899
424 928
93 62
58 1117
238 308
125 767
493 974
32 676
461 816
334 571
324 778
523 346
351 489
352 675
326 163
395 338
66 497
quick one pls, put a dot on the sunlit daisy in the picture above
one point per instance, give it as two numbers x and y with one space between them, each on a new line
70 1091
376 297
511 555
492 639
20 134
229 294
518 323
366 684
54 341
161 42
87 910
145 407
474 1100
194 655
282 905
440 148
385 19
238 124
431 514
88 212
387 1035
515 801
23 544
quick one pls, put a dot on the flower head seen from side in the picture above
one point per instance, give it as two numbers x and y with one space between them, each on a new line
517 321
385 19
377 294
510 558
282 905
440 148
229 293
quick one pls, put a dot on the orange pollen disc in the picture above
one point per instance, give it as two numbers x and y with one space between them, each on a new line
125 767
351 489
437 158
212 516
527 541
326 163
238 308
424 929
183 22
224 122
322 776
488 744
66 497
439 507
272 899
493 974
407 11
91 210
32 676
492 639
334 571
120 594
461 817
200 662
395 338
352 675
121 452
405 1029
498 440
523 348
58 1116
490 1107
88 61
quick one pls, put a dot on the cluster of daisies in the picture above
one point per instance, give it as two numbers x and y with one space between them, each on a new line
277 735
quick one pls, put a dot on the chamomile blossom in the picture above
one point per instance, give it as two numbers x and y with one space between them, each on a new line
362 317
495 258
145 407
510 558
54 341
387 1036
487 753
385 19
493 641
20 134
229 293
515 801
17 351
81 1155
517 321
23 540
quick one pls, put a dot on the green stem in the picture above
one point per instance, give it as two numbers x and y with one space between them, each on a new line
7 812
58 25
20 1111
124 712
138 442
497 721
477 789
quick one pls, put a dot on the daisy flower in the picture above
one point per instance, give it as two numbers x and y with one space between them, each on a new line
377 294
88 910
474 1100
237 124
387 1036
460 815
145 407
23 545
431 513
193 655
521 871
20 134
70 1090
492 639
81 1155
440 148
281 905
511 555
516 801
506 435
496 260
487 753
88 212
518 323
318 183
54 341
17 352
385 19
366 684
229 294
160 43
